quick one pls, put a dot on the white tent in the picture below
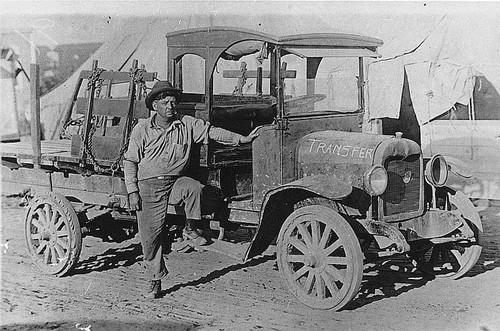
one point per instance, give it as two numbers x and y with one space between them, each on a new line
441 69
444 93
14 84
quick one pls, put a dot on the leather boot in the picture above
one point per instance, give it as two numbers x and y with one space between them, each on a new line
192 234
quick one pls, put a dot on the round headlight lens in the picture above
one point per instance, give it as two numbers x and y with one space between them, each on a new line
375 180
436 171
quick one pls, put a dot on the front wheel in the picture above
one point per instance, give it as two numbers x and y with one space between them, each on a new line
319 257
53 233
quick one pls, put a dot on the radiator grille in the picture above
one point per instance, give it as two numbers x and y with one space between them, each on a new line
403 188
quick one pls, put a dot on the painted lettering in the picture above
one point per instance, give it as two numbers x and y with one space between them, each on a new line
354 150
345 151
336 147
362 152
313 141
319 146
369 151
322 146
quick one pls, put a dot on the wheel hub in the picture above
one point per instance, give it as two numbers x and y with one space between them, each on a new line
315 261
49 235
310 261
52 238
46 235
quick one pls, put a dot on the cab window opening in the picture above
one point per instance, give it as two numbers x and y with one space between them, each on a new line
322 84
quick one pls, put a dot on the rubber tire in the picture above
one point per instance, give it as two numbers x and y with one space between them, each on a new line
40 206
349 249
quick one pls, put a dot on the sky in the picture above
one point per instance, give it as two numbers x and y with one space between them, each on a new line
64 22
154 7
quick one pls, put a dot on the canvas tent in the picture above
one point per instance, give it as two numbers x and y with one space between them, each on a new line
14 84
441 70
444 94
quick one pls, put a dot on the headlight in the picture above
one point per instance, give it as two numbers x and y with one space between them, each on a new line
375 180
436 171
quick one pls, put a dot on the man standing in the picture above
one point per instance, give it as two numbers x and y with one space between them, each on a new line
154 164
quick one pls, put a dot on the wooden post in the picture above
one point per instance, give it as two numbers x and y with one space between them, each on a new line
62 120
258 86
88 117
361 85
131 103
35 114
142 88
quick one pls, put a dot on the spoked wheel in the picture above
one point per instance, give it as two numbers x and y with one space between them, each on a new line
453 259
53 233
319 257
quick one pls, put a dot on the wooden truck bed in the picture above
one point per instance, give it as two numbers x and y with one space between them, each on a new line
52 152
59 171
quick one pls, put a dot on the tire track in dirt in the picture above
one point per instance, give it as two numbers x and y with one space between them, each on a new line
213 292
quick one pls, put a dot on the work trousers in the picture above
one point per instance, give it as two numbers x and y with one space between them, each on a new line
156 194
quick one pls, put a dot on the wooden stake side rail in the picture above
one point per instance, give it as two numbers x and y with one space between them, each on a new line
52 152
60 171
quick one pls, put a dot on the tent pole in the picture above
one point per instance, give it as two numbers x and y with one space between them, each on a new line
35 114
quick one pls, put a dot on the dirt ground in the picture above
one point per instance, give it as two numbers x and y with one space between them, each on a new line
210 291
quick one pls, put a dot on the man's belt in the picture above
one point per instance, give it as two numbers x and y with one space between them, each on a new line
168 177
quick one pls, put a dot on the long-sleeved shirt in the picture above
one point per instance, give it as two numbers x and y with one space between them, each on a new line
154 151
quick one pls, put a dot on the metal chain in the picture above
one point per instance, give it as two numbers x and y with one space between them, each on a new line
87 147
137 74
94 78
116 164
138 77
64 133
98 88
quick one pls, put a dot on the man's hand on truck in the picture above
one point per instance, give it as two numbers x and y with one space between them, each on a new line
251 137
134 201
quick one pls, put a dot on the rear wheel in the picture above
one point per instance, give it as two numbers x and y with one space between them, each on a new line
453 259
319 257
53 233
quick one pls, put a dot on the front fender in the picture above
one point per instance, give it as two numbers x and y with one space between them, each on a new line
458 167
324 185
459 175
279 203
466 209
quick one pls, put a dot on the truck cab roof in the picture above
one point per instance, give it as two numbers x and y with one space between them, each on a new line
223 37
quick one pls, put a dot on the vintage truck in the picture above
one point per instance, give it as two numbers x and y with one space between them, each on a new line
329 196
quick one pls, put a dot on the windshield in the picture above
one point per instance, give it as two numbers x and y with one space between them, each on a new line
321 84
